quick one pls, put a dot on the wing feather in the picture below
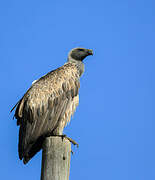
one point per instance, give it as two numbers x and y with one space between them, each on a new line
45 105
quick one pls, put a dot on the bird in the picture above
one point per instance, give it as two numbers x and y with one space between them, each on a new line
47 106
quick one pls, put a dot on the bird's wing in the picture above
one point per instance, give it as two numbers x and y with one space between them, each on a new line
44 104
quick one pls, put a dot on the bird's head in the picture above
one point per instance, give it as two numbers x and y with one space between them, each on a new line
78 54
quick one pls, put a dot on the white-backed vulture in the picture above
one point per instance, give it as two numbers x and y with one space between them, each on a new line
49 103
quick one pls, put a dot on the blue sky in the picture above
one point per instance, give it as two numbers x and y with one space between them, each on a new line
114 123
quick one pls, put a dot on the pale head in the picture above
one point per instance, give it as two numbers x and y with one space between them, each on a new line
78 54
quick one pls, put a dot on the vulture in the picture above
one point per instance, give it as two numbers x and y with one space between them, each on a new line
47 106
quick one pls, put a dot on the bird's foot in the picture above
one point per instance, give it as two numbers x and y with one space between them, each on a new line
70 139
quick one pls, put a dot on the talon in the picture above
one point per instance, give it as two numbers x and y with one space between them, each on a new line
70 139
63 136
72 152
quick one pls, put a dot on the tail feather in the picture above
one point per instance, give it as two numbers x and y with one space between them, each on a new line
32 150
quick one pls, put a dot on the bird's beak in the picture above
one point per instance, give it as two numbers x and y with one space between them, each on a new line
90 52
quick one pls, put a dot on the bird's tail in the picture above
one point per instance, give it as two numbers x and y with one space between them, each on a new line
32 150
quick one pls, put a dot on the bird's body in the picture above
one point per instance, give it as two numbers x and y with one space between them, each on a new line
47 106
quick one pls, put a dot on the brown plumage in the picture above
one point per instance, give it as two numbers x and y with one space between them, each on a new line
47 106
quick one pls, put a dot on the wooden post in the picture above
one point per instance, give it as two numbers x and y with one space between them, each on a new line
56 159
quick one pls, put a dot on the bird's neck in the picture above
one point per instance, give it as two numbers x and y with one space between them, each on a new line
78 64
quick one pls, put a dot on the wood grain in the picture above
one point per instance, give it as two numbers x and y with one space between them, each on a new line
56 159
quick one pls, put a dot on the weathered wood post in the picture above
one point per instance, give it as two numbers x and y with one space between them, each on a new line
56 159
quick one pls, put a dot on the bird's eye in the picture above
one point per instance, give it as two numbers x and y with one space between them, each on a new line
80 49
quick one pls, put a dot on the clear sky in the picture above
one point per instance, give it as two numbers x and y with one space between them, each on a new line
114 123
